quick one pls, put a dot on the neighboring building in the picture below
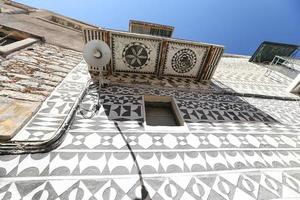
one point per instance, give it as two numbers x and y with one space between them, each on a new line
176 119
38 48
150 28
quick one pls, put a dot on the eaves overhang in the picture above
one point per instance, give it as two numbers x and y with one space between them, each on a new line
159 56
268 50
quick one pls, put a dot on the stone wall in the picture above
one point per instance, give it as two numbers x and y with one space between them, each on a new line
27 77
32 73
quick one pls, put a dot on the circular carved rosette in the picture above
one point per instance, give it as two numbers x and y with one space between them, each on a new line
136 55
184 60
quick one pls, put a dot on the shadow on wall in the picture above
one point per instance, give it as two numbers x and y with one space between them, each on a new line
194 107
144 192
225 108
126 105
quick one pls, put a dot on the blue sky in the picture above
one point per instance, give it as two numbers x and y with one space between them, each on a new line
240 25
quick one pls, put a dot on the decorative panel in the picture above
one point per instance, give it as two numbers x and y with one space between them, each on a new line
135 54
162 57
184 60
92 34
213 59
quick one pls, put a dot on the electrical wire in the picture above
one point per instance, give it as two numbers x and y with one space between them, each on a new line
144 193
92 90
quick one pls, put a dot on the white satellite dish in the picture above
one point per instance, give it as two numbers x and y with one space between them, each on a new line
97 53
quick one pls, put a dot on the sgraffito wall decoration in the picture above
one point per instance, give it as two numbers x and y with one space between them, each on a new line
184 60
159 56
135 54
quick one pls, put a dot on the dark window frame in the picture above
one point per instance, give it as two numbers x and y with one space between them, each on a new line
160 114
163 101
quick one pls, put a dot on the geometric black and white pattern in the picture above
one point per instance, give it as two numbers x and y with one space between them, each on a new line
105 139
254 185
234 148
56 107
184 60
241 76
135 54
112 162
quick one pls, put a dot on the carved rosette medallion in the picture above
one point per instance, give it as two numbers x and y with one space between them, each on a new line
184 60
136 55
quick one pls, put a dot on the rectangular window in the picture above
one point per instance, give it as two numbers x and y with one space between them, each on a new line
64 22
12 40
6 39
150 28
160 114
162 111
